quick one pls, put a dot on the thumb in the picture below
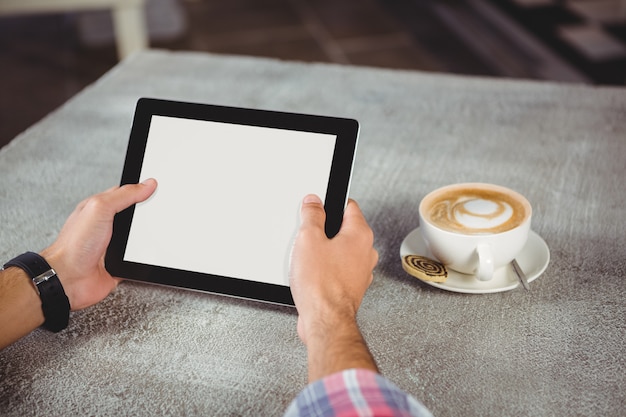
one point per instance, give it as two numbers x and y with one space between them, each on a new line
312 212
130 194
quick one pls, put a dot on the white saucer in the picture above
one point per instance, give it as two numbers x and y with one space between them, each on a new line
533 260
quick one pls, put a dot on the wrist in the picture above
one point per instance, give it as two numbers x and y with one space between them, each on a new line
56 261
324 318
334 343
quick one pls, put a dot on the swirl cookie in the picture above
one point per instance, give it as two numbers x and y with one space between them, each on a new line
424 268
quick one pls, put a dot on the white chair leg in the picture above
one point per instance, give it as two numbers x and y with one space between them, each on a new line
130 28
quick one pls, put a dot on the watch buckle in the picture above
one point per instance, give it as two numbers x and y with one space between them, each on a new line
44 277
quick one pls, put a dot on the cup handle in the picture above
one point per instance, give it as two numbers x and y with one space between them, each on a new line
485 263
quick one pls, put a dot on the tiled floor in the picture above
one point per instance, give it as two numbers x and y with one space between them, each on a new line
44 62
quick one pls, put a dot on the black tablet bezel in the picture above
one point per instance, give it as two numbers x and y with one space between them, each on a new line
346 132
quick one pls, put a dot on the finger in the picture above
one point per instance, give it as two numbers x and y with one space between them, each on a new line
86 200
353 216
125 196
312 212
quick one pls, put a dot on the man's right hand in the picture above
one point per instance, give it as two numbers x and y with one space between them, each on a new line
328 279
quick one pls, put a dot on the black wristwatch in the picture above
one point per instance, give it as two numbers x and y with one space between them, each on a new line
54 302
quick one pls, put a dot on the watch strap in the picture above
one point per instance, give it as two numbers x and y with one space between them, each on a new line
54 302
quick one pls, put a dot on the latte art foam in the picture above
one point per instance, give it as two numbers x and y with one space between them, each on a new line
475 211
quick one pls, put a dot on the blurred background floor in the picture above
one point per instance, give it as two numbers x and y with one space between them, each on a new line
47 58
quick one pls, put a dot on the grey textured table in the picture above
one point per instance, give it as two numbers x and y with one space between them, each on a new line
556 350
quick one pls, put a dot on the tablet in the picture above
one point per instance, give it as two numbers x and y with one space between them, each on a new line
231 181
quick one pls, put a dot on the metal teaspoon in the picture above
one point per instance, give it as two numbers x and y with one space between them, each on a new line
520 274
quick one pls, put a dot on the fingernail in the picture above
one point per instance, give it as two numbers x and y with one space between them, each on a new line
312 198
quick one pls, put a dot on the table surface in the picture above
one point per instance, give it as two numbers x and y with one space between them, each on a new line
555 350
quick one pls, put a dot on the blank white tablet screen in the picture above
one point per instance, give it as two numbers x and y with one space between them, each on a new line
228 197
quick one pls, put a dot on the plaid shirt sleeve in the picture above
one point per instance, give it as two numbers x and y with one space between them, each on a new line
355 392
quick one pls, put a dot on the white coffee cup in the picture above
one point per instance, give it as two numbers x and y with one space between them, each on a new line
475 228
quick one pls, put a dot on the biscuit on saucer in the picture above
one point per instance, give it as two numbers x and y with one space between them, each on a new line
424 268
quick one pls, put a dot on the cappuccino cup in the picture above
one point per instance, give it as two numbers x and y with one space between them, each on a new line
475 228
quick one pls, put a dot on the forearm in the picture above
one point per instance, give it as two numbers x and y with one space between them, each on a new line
328 279
336 346
20 306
